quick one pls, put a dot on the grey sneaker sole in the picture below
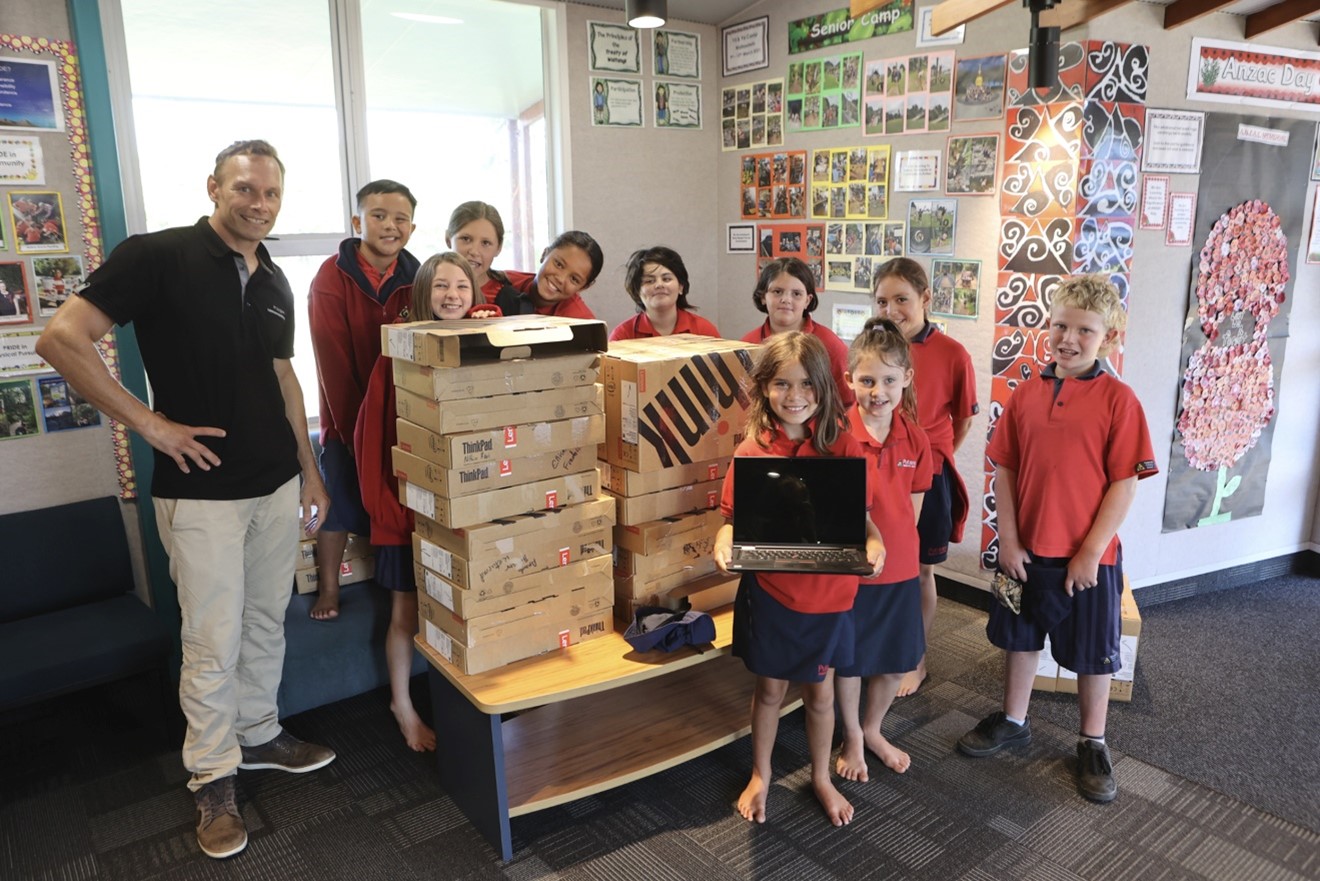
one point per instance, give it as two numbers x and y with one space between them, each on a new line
275 766
220 855
982 752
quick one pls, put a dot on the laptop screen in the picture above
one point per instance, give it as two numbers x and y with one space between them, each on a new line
800 500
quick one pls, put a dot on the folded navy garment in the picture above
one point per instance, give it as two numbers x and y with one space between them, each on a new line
655 627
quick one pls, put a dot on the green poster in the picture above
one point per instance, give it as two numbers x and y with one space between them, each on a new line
838 26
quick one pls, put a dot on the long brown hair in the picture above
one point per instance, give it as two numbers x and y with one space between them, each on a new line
881 339
419 305
781 350
909 271
477 210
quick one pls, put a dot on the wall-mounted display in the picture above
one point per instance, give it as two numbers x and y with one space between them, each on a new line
613 48
916 171
752 115
930 226
746 46
955 287
1182 213
841 26
31 95
1154 201
62 408
854 249
978 91
1315 155
805 241
1313 240
18 409
18 353
56 280
825 93
850 182
1173 141
676 53
971 165
616 102
926 32
21 163
774 185
909 94
38 219
678 105
15 297
1248 73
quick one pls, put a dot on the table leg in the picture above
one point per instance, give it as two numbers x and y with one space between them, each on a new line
470 750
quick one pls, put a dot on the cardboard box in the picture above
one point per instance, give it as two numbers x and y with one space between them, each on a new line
479 414
358 546
1047 670
533 553
487 542
695 555
546 637
511 591
660 535
497 444
486 476
498 377
633 483
463 342
522 499
667 503
675 400
593 595
703 595
350 572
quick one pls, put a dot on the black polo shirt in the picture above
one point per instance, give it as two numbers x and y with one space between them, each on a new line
208 345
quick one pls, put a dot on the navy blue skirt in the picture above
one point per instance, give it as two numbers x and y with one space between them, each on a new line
890 635
394 568
776 642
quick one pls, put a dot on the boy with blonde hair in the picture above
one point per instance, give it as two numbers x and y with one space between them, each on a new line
1068 450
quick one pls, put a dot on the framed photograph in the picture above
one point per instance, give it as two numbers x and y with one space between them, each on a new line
925 35
955 287
31 95
1154 201
1173 141
15 296
971 163
56 278
930 226
38 219
62 408
676 53
916 171
978 88
1182 215
613 48
18 409
746 46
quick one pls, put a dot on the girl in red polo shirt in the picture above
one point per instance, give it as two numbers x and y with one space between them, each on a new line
886 616
568 267
946 403
445 287
657 281
793 627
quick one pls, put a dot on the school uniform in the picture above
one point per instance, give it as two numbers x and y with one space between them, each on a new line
835 347
791 625
516 298
1067 440
946 393
890 637
640 327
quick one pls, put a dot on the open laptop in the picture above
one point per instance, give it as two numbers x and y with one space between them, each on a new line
799 514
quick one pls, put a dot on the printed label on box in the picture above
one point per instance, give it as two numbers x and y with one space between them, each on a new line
437 558
439 590
712 472
506 467
564 641
440 641
510 436
420 500
552 499
628 412
564 557
401 345
712 499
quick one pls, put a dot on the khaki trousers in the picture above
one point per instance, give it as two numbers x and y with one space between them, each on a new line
232 562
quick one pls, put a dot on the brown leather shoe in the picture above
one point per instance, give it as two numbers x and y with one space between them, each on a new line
286 753
220 829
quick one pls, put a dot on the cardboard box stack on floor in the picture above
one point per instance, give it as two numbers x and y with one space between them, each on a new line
499 421
1050 676
675 408
359 563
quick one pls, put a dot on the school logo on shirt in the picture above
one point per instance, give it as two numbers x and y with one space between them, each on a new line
907 463
1148 465
277 312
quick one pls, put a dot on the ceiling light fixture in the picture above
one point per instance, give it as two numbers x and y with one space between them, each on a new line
426 19
647 13
1043 60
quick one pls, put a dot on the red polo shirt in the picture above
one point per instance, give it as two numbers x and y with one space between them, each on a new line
901 467
946 389
1068 440
837 349
523 282
812 594
640 326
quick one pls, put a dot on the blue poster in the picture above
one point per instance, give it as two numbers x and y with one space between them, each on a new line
28 95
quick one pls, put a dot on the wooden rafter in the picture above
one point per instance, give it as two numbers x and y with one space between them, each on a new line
1280 14
1183 11
951 13
1071 13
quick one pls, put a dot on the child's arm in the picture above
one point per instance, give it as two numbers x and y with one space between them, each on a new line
917 499
1084 567
723 552
875 547
1012 556
960 429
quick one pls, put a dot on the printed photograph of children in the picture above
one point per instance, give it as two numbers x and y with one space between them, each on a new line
15 302
18 412
38 220
62 408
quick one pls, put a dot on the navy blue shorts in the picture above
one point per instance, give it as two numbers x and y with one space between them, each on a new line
341 480
1084 629
776 642
890 635
935 525
394 568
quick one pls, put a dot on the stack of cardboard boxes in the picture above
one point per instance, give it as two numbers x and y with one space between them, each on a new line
498 427
675 408
1052 677
359 563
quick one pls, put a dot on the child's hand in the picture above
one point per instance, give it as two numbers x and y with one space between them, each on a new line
875 555
1083 572
723 554
1013 560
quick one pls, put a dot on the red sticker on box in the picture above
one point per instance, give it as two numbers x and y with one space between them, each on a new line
564 640
564 557
552 499
712 472
346 568
506 467
641 381
510 435
711 501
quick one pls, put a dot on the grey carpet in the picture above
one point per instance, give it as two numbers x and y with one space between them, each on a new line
91 788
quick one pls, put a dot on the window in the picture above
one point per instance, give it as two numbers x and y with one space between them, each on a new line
446 96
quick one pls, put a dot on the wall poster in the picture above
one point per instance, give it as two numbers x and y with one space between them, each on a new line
613 48
752 115
774 185
850 183
616 102
676 54
825 93
854 249
678 105
805 241
909 95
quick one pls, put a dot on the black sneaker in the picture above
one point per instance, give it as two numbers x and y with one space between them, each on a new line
992 734
1095 772
286 753
220 829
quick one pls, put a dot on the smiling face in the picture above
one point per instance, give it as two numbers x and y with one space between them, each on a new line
792 398
563 273
247 197
897 300
660 289
451 292
786 300
385 224
1076 337
878 387
479 242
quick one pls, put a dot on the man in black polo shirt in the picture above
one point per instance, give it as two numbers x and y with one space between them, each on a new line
214 319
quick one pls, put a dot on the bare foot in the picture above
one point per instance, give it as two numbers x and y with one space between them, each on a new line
837 808
751 804
417 733
894 758
851 764
326 607
912 680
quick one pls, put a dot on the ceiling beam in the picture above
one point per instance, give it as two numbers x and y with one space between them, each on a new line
1182 11
1281 14
951 13
1074 12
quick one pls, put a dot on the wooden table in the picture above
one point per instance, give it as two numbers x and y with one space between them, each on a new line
587 718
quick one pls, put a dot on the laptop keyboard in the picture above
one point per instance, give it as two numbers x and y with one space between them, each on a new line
805 555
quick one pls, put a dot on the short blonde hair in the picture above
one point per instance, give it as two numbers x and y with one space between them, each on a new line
1094 293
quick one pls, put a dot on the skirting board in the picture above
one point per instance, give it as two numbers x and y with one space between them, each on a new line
1300 563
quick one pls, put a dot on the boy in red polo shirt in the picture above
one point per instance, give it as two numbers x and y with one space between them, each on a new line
1068 450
